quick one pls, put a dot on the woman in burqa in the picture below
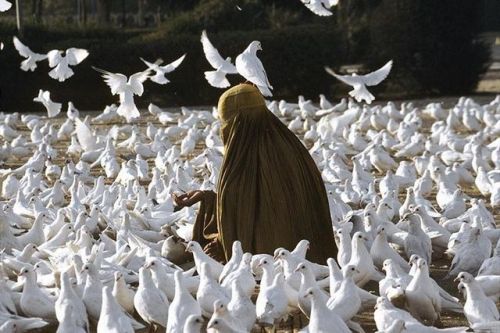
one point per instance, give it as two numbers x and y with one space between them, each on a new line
270 193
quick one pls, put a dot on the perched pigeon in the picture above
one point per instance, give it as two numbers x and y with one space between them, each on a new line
251 68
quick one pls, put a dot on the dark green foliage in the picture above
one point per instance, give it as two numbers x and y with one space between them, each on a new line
294 59
434 45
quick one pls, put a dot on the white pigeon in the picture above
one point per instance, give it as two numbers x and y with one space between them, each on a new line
359 82
422 297
216 78
112 318
60 63
381 251
201 257
323 320
34 302
251 68
53 108
5 5
126 89
320 7
160 71
193 324
272 302
183 305
151 304
31 57
478 308
346 301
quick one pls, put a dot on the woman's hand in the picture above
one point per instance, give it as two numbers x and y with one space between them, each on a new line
188 199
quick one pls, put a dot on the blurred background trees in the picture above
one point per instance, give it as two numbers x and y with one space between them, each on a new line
436 45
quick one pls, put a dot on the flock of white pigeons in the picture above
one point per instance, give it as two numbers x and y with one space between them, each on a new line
91 241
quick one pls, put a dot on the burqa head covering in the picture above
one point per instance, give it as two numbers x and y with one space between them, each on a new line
270 193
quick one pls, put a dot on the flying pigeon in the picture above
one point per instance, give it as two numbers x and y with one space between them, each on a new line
126 88
31 57
5 5
53 109
60 63
222 67
359 82
160 71
320 7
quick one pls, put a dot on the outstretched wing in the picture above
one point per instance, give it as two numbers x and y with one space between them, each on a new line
317 7
117 82
213 56
173 65
76 56
347 79
331 3
23 50
136 80
5 5
152 65
54 58
378 76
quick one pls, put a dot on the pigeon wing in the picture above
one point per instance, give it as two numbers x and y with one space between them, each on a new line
76 56
5 5
251 68
317 8
23 50
374 78
331 3
136 80
347 79
84 134
54 58
213 56
117 82
173 65
151 65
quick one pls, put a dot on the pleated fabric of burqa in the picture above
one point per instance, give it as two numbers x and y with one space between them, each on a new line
270 193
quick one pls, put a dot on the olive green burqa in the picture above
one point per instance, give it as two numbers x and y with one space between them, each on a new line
270 193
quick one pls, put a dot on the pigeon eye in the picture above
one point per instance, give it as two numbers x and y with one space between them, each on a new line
352 268
265 262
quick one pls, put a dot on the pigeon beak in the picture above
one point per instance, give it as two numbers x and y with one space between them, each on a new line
456 279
